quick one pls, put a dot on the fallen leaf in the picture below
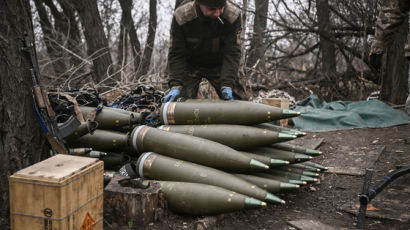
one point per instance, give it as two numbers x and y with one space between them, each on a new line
370 207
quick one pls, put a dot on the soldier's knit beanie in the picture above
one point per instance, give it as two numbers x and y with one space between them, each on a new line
212 3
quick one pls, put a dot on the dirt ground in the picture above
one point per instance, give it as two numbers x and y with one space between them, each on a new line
321 202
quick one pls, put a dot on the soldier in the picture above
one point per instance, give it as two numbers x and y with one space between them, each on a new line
205 43
391 17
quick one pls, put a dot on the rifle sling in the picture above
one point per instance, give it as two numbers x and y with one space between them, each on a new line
77 109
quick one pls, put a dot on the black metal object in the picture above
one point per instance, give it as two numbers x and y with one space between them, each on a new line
133 183
364 199
369 193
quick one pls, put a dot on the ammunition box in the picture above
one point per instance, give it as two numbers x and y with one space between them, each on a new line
62 192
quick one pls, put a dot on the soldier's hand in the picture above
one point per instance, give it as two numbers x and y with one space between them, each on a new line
376 60
171 96
227 93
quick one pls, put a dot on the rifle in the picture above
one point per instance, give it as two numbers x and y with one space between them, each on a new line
42 107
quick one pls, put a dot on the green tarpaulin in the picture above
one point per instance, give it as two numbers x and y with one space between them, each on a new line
320 116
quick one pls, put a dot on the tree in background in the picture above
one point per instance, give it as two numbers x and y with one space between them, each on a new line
326 45
66 27
21 141
394 74
128 30
257 44
97 43
307 46
149 44
51 40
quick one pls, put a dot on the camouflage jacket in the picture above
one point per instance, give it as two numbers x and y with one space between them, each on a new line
200 42
391 17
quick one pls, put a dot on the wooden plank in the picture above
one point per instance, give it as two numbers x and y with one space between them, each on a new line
310 143
280 103
345 171
352 160
310 225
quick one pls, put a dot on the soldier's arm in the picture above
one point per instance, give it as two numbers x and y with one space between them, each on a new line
232 54
177 64
390 18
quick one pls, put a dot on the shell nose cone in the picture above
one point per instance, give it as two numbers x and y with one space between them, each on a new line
252 203
277 162
313 152
285 137
258 165
287 113
288 186
274 199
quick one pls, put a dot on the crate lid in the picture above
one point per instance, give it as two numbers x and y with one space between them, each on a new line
56 168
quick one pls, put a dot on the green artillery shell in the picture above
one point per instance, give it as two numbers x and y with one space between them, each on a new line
266 160
102 140
157 167
315 165
304 167
296 149
84 128
297 171
110 119
235 136
281 154
280 178
115 159
202 199
270 185
294 176
277 128
137 116
221 112
190 148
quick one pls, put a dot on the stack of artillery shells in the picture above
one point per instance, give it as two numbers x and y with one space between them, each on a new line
208 156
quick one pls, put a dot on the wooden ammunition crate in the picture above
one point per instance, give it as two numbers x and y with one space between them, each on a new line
282 103
62 192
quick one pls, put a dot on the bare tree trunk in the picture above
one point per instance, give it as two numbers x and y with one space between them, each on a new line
128 23
97 44
71 33
59 25
243 32
258 47
74 34
394 85
243 79
149 44
21 141
50 39
327 48
66 28
106 14
122 44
